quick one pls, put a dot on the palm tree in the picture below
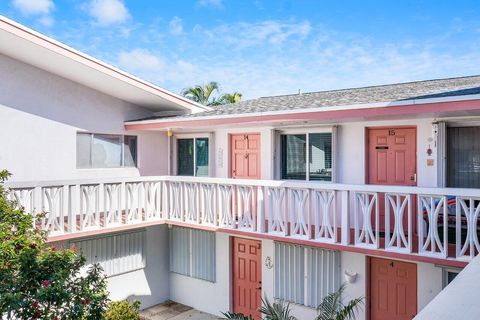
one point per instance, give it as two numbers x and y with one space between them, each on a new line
235 97
206 95
332 307
202 94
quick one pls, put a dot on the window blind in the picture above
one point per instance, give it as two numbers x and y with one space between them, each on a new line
305 275
192 253
294 156
320 154
463 157
116 254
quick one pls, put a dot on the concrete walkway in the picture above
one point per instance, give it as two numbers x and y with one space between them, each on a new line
174 311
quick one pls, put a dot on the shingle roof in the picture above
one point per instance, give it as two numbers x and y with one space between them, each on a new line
382 93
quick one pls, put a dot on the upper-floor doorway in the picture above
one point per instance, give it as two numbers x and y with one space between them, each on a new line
245 156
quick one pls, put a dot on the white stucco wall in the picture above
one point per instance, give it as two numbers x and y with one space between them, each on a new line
222 151
40 115
215 297
211 297
149 285
351 150
350 155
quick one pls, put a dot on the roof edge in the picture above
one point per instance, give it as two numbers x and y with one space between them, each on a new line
314 109
51 44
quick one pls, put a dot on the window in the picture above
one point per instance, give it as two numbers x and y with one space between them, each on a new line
449 274
106 150
306 156
116 254
305 275
463 157
192 157
192 253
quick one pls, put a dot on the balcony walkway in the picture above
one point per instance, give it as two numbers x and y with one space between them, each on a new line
437 225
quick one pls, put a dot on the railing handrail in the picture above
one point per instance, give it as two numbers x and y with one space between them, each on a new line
457 192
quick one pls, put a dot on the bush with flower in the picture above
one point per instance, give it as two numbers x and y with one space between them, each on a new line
39 281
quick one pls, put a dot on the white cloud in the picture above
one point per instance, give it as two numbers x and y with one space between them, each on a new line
47 21
34 7
210 3
176 26
279 57
107 12
252 34
140 60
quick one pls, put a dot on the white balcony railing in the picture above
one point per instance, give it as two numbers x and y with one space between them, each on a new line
434 222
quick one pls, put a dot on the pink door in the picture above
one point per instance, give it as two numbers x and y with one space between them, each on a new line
392 159
393 289
247 277
245 156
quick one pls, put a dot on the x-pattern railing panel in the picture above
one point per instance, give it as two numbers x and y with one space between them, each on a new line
307 211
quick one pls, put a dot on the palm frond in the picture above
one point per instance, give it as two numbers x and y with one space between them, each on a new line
332 308
236 316
348 312
276 311
234 97
210 88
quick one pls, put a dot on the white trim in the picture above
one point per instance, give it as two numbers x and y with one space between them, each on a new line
441 140
315 109
459 192
445 271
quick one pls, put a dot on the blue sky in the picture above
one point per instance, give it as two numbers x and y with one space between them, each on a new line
266 47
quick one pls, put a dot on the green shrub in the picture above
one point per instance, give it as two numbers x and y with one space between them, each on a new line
123 310
39 281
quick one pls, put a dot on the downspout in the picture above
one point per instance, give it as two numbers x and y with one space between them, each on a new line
169 151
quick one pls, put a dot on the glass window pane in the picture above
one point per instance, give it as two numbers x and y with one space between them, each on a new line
320 154
83 150
107 151
463 157
201 145
293 156
130 151
185 157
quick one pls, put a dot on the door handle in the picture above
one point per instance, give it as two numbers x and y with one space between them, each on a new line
259 288
413 177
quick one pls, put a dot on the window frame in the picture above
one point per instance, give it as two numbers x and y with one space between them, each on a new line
194 137
445 272
307 131
122 152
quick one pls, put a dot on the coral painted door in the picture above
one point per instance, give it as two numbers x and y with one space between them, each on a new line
247 277
393 289
392 159
392 156
245 156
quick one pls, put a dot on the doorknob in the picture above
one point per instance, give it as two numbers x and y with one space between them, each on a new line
413 177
